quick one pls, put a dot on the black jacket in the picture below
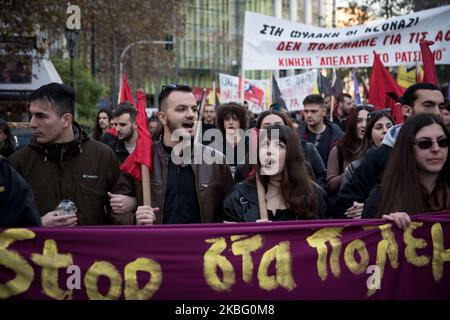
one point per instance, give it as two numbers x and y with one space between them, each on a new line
365 177
327 141
371 205
17 205
118 146
241 204
316 163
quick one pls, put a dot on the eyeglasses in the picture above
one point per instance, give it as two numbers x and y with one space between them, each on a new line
427 144
382 111
167 89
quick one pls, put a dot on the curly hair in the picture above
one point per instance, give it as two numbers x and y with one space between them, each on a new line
236 111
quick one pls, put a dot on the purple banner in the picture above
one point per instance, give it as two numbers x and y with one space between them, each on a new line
320 259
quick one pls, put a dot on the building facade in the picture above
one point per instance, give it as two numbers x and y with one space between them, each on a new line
213 37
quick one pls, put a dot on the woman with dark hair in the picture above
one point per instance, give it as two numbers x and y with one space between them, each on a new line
290 192
232 121
377 126
417 178
102 123
314 164
7 142
344 152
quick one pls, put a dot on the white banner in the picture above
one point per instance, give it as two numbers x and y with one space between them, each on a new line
272 44
229 88
294 89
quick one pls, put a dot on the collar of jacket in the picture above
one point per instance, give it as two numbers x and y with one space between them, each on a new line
62 151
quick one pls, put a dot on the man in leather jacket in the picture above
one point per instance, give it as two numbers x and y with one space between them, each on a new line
183 190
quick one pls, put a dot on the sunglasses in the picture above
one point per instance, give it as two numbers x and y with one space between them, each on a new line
365 106
382 111
427 144
173 86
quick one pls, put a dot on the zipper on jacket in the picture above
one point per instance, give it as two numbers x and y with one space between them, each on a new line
63 149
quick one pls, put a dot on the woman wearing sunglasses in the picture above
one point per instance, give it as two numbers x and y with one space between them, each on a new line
290 192
417 178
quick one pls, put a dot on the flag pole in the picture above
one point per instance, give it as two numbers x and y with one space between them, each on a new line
198 124
145 171
214 92
242 86
261 198
332 108
146 194
332 97
268 94
120 89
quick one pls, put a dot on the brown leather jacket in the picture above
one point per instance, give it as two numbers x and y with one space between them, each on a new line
212 181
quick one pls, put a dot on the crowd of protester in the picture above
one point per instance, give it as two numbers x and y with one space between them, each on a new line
355 163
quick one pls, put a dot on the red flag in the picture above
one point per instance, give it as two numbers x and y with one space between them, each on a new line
382 86
397 113
142 154
112 131
125 92
429 74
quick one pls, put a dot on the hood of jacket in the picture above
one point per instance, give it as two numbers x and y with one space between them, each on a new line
391 136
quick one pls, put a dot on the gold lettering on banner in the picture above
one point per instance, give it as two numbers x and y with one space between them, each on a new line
283 266
349 256
440 255
387 248
98 269
244 248
212 261
318 241
50 261
14 261
132 291
412 244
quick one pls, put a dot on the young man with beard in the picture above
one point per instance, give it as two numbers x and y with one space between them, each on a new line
343 108
182 191
208 120
125 141
62 162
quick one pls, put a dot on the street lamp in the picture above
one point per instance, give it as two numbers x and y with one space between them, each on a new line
71 37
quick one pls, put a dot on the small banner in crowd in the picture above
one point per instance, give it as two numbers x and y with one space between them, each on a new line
293 89
272 44
295 260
